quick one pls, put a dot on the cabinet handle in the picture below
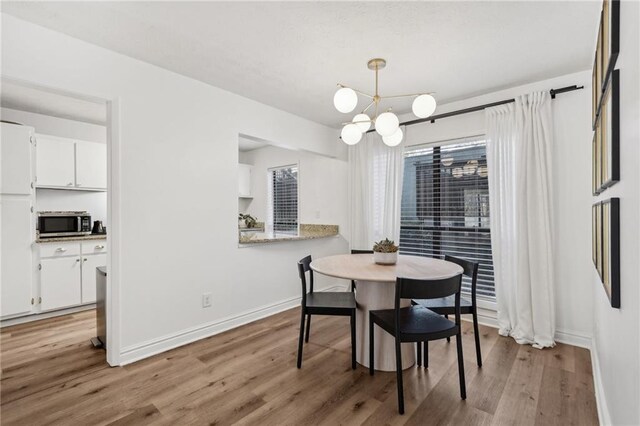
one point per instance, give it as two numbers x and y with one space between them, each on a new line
70 184
78 260
61 249
85 259
99 247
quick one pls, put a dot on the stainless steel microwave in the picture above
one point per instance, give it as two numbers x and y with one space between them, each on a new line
63 224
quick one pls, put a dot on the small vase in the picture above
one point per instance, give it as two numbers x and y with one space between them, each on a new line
385 258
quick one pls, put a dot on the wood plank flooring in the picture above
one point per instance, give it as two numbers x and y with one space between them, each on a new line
52 375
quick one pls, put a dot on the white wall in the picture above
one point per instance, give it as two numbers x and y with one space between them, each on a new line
173 176
572 189
322 185
55 126
616 333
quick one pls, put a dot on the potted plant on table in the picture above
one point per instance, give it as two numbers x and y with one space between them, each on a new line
385 252
246 221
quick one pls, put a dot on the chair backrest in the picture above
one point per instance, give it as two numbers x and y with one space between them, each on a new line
304 266
361 251
408 288
470 270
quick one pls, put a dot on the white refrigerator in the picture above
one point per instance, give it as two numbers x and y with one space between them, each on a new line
17 223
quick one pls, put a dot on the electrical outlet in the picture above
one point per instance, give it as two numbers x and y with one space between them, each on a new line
206 300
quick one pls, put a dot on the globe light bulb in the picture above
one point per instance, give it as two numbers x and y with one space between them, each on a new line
345 100
363 122
423 106
447 161
351 134
387 123
394 139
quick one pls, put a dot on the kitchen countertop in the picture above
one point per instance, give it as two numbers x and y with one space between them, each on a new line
71 239
307 232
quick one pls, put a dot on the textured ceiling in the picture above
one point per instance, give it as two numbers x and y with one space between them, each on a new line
291 54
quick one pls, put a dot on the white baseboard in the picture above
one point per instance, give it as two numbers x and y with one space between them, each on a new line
604 417
155 346
44 315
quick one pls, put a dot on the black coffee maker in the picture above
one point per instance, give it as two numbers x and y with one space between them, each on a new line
98 228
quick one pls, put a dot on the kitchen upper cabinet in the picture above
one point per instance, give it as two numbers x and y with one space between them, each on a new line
16 175
15 249
55 162
244 180
60 282
68 164
89 265
91 165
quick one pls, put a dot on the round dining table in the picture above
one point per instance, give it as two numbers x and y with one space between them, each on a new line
375 289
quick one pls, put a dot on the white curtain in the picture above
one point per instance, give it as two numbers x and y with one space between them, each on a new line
375 191
519 138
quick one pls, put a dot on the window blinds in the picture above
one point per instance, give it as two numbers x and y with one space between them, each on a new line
445 206
283 185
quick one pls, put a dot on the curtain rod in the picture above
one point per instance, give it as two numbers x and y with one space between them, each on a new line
433 118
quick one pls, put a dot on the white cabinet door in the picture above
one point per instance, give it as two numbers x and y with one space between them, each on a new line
55 160
244 180
91 165
60 282
89 265
17 268
16 174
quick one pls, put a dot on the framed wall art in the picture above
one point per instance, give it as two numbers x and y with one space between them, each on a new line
610 38
610 257
610 133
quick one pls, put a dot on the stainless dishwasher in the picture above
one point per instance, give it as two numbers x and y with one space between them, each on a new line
100 341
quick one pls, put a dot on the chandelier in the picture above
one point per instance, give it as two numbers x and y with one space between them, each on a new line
386 123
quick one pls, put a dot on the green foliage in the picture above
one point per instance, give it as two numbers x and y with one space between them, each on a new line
249 220
385 246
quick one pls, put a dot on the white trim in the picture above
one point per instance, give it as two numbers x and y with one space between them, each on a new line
604 417
44 315
114 239
488 317
161 344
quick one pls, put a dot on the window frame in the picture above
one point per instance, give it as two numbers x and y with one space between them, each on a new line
270 199
484 301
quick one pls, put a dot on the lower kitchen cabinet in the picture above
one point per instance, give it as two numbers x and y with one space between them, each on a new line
89 265
60 282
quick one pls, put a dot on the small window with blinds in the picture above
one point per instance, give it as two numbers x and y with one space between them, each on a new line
445 206
283 200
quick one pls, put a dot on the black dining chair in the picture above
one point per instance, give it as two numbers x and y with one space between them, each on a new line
323 303
353 282
446 306
416 323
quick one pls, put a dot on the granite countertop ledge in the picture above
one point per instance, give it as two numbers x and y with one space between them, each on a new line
307 232
71 239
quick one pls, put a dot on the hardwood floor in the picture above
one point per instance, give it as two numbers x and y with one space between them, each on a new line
52 375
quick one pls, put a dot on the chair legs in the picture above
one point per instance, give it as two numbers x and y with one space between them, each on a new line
425 349
306 339
353 340
447 317
419 354
463 388
371 345
476 333
399 377
300 339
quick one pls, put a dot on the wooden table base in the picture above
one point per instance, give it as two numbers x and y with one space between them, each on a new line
370 296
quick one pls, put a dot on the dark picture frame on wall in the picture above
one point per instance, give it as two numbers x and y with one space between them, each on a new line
610 22
606 55
611 249
606 139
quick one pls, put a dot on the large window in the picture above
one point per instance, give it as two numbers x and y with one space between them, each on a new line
445 206
283 200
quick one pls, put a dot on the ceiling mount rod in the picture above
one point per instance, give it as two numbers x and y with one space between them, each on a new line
433 118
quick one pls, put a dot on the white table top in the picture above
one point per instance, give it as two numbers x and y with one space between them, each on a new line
360 267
